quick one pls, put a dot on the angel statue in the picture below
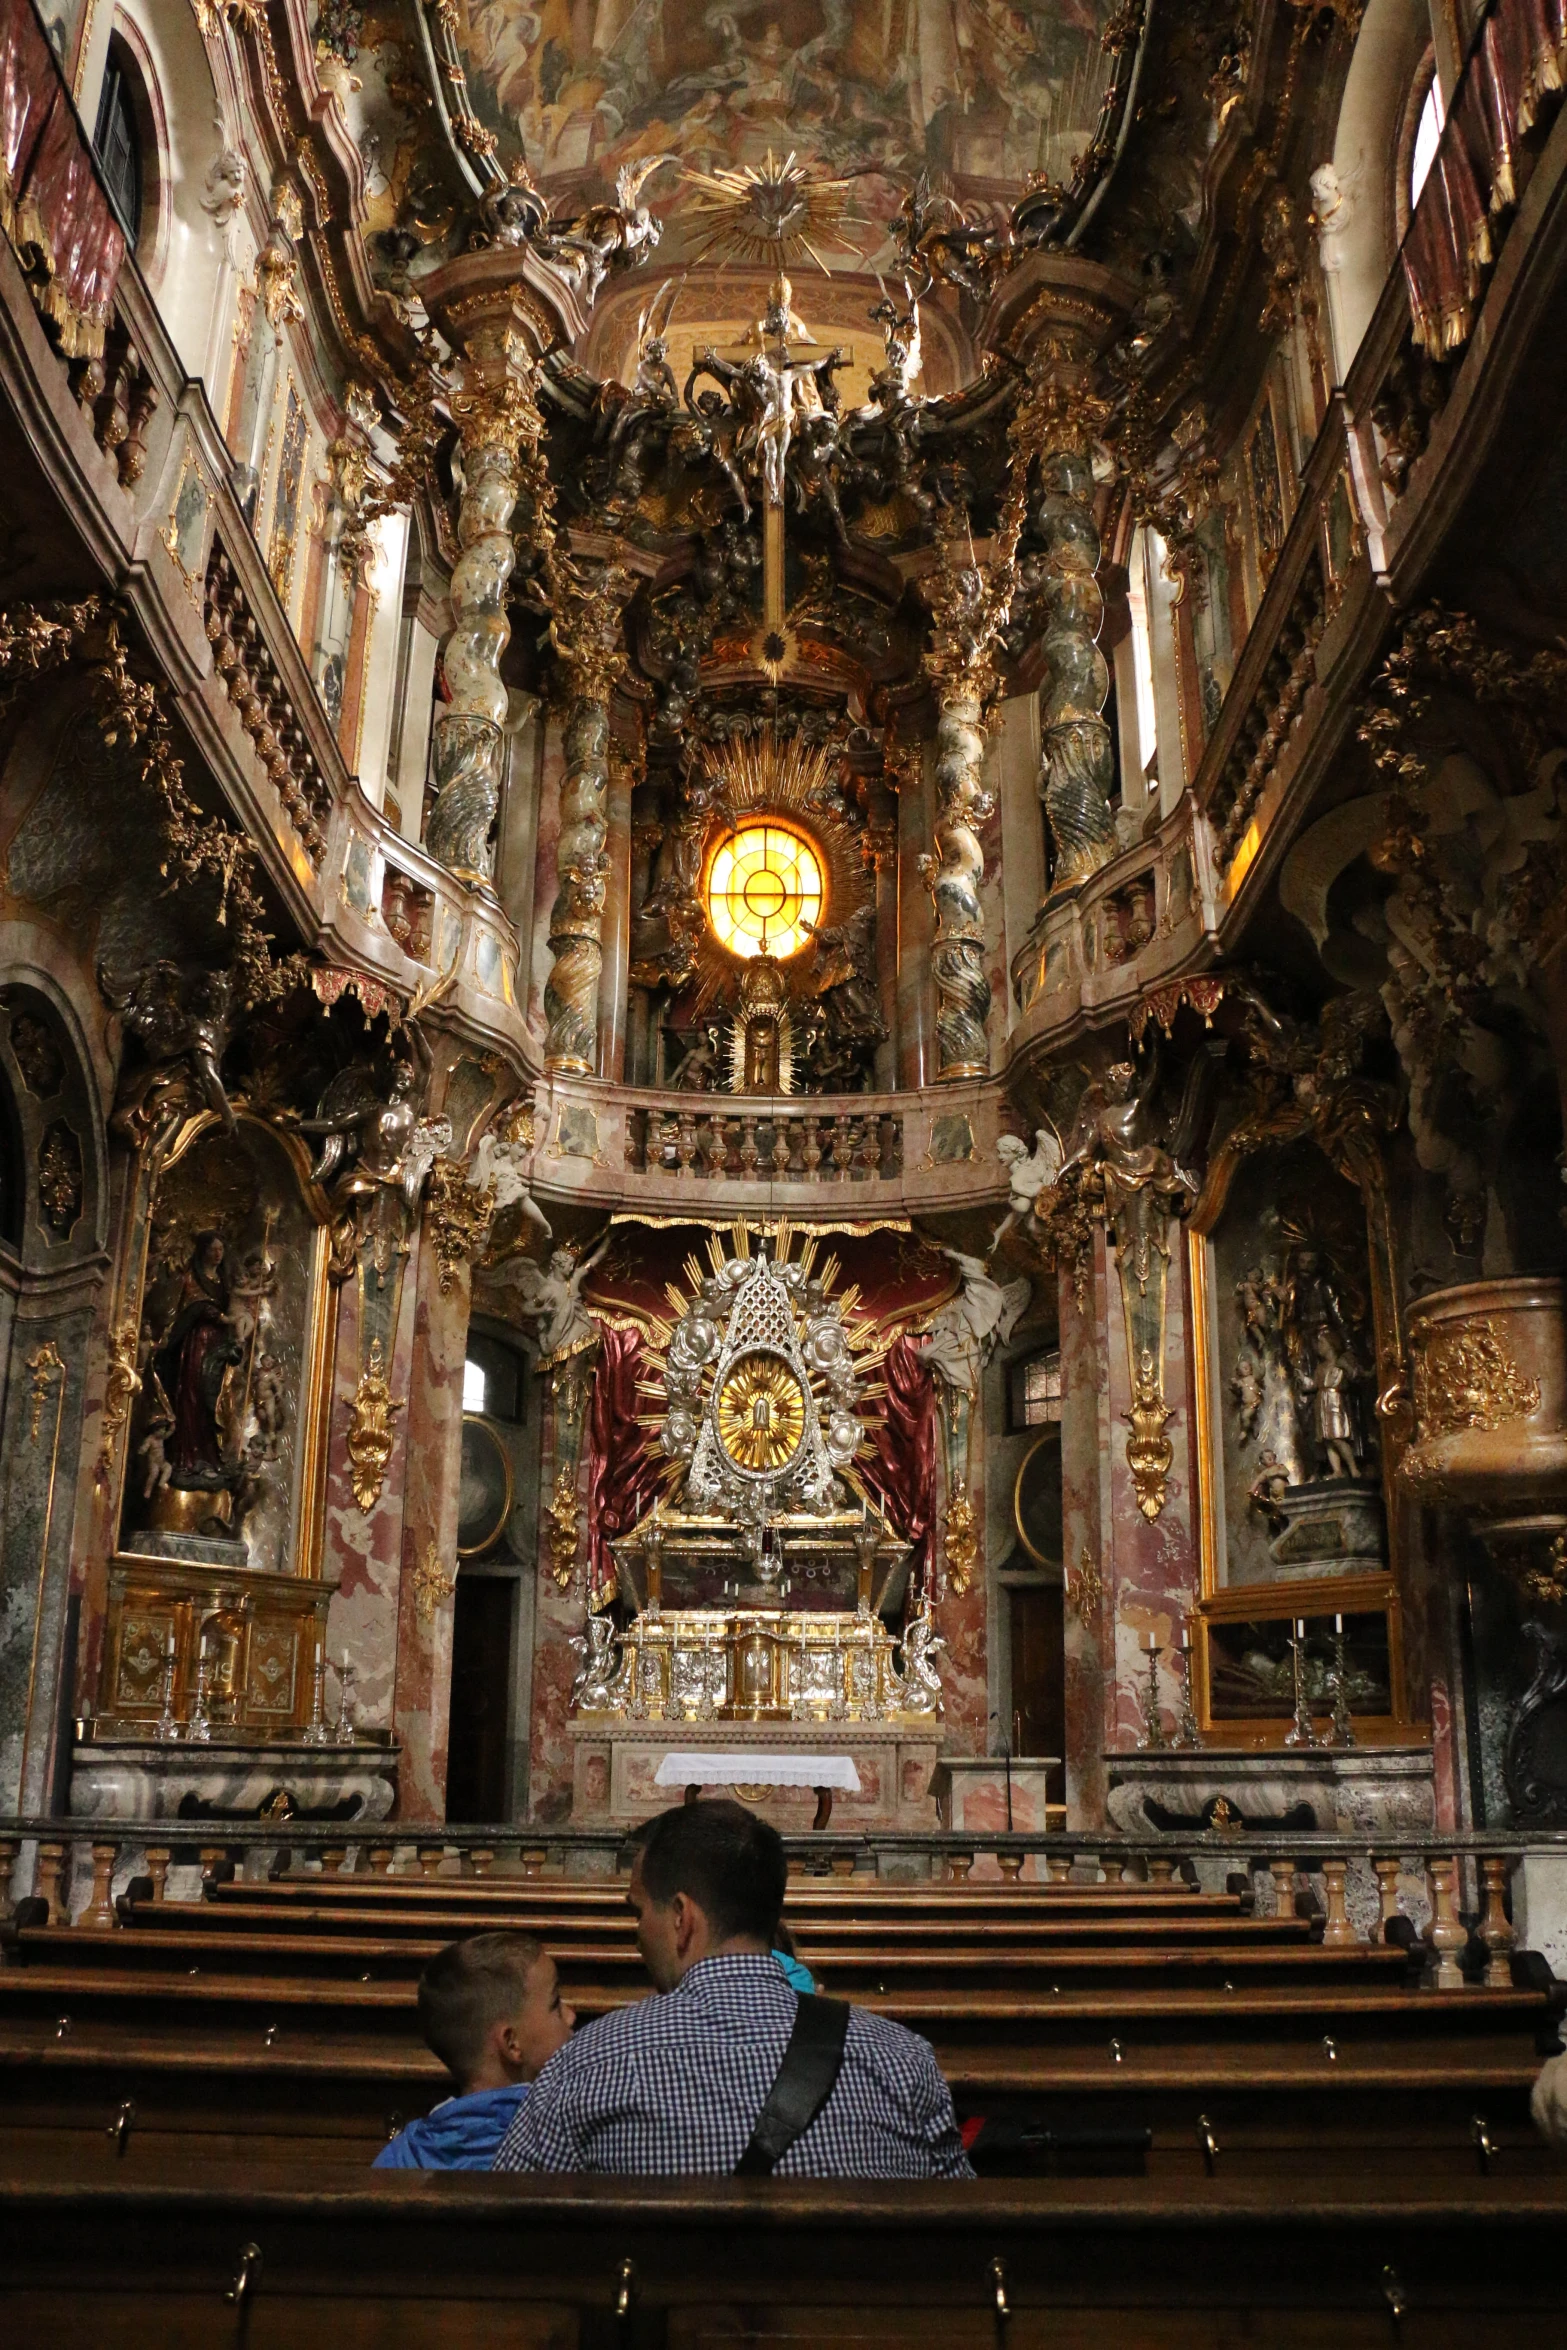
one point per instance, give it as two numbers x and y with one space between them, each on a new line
971 1325
498 1166
607 236
922 1643
377 1126
182 1013
1030 1172
551 1296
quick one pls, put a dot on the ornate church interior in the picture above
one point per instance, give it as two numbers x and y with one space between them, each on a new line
783 1013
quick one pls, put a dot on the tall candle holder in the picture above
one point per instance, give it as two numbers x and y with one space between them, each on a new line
199 1727
1300 1731
1343 1731
343 1733
315 1732
1153 1737
168 1724
1186 1735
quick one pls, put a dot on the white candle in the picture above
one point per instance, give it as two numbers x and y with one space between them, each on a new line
1338 1623
1300 1627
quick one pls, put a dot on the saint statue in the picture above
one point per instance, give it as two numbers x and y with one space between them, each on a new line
193 1366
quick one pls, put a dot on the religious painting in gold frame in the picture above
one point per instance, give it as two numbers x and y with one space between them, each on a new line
1365 1592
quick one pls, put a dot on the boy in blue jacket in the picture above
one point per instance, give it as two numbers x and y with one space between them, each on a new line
491 2009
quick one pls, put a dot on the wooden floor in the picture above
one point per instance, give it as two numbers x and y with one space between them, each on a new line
1225 2130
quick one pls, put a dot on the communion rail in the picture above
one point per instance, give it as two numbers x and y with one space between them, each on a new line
1469 1898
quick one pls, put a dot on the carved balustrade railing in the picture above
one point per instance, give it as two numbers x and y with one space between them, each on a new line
710 1142
815 1154
1448 1898
254 684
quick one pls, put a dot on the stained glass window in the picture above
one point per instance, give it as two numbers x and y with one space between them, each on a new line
764 891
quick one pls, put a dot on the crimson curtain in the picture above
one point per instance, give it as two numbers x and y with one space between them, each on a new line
901 1471
1516 64
51 204
623 1466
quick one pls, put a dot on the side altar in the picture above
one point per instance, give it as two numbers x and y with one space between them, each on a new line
762 1602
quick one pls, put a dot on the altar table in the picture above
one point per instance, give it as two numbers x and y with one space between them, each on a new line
823 1773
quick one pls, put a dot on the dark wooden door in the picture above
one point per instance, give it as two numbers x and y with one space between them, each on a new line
1038 1724
476 1780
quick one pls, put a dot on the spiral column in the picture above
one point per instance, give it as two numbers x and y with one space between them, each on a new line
586 633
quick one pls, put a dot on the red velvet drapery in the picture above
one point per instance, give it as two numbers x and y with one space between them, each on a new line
1517 62
52 206
623 1466
901 1471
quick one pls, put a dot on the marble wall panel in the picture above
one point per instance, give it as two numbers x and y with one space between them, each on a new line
431 1483
1084 1437
1154 1564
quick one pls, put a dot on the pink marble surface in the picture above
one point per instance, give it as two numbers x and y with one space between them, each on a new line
432 1479
1156 1570
1083 1443
558 1620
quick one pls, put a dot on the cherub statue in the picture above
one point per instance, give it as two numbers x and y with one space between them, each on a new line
551 1296
593 1688
182 1013
498 1166
971 1325
1029 1172
154 1450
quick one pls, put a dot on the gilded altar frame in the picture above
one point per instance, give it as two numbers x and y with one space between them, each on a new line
278 1617
1349 1137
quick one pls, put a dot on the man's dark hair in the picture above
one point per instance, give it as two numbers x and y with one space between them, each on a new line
469 1987
722 1857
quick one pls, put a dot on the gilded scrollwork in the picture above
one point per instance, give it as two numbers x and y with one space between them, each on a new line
372 1430
1467 1379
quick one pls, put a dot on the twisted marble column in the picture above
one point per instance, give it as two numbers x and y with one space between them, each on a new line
954 876
586 633
494 411
969 603
1077 765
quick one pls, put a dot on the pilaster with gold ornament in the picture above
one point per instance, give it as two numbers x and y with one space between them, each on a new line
570 1377
969 599
585 631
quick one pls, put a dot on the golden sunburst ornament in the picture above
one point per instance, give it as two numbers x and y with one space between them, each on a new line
769 214
761 1413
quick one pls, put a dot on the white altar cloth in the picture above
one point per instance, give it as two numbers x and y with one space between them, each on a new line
759 1770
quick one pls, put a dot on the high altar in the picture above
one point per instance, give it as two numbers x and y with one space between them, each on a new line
768 1603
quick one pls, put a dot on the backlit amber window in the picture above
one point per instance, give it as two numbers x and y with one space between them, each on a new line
764 891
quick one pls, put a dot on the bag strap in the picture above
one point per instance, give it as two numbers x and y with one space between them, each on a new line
805 2080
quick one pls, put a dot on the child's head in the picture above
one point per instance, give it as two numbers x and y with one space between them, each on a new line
492 2011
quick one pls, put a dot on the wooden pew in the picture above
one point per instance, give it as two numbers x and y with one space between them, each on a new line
241 2255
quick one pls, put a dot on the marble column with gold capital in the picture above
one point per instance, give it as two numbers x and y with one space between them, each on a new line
969 601
496 413
586 634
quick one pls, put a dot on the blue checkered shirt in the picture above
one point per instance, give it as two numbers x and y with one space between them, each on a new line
673 2086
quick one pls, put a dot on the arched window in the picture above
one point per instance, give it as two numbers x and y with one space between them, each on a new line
118 144
1428 132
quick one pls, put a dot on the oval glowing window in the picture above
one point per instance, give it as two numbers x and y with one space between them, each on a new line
764 891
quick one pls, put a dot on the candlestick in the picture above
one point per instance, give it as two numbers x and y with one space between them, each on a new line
1300 1731
199 1727
315 1732
1187 1735
1153 1737
343 1734
168 1725
1343 1732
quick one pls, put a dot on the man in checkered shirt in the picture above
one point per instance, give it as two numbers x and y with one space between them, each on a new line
673 2086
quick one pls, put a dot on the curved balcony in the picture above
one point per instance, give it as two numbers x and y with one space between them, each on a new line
812 1157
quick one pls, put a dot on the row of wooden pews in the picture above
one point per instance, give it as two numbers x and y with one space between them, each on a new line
1196 2084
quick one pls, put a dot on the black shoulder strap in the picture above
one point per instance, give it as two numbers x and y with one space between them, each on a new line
803 2085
